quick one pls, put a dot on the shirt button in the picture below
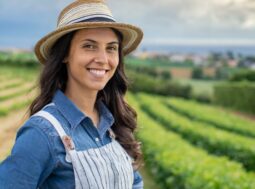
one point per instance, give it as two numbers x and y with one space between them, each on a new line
97 139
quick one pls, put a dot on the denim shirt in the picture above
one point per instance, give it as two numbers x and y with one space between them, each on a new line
38 157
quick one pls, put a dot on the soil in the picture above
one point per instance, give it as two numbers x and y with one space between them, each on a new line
9 126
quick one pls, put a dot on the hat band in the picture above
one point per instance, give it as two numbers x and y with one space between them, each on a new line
93 18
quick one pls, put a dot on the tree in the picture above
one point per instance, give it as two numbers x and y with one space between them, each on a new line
197 73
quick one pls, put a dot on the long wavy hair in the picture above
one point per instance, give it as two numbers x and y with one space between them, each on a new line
54 76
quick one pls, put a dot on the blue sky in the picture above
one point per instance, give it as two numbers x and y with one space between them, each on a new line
22 23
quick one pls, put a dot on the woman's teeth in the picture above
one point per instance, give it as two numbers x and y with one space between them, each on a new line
97 72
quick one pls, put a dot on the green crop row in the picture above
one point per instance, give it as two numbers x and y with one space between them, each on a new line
17 106
177 164
212 115
216 141
17 93
7 85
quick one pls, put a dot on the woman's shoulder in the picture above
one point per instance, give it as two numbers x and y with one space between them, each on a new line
38 131
39 123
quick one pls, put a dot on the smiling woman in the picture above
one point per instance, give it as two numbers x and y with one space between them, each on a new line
81 130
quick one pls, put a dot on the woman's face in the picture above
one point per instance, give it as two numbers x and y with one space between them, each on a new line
92 60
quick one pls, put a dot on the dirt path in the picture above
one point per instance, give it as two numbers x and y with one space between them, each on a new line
8 128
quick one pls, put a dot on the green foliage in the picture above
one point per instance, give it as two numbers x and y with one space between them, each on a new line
147 70
142 83
16 72
178 165
26 59
150 71
202 97
212 115
248 75
157 62
221 73
236 95
151 80
216 141
197 73
166 75
202 90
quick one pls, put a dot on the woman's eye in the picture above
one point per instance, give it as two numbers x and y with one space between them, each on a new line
89 46
113 48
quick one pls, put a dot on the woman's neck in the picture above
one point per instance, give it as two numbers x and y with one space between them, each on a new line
85 101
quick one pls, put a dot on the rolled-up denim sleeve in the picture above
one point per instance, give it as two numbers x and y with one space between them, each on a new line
29 162
138 180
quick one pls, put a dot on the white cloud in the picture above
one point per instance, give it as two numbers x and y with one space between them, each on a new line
184 9
167 19
194 18
249 23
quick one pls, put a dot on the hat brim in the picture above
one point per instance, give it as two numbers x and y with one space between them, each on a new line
132 36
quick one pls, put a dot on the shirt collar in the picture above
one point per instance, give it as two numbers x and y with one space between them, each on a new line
74 116
106 118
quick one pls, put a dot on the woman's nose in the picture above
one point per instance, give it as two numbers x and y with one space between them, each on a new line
101 56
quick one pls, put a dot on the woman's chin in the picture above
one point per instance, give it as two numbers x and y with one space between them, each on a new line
98 87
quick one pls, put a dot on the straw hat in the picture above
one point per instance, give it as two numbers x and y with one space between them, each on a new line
87 14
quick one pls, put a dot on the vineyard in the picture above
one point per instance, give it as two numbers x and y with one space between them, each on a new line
186 145
17 92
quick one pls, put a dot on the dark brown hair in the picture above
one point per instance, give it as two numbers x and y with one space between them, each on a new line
54 77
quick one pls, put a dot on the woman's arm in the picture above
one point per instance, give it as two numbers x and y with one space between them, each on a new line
30 162
138 181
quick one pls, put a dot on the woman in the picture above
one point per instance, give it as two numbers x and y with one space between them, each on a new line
81 130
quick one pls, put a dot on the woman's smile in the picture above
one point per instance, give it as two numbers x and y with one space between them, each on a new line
97 72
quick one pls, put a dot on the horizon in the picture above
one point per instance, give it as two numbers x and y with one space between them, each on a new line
196 49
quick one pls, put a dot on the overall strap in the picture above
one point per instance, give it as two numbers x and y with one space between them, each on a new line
55 123
67 140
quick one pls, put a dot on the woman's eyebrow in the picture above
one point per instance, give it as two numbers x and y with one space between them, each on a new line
90 40
93 41
114 42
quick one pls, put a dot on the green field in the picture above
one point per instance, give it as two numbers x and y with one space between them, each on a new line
184 153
